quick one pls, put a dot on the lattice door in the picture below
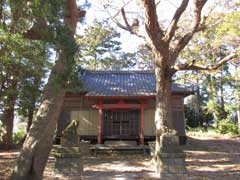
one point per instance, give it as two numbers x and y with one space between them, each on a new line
121 123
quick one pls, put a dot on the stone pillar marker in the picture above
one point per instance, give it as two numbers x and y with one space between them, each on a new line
172 158
68 155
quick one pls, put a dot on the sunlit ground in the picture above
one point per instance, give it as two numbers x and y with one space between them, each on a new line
209 156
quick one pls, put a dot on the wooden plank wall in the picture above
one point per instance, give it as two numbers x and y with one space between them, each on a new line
88 121
149 125
80 109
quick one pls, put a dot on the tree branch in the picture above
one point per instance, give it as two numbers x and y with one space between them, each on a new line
39 29
127 26
157 3
153 29
193 66
173 25
73 14
126 21
198 25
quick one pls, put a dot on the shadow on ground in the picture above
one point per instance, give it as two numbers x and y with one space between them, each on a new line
213 158
208 158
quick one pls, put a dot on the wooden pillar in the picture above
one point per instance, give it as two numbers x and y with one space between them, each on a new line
99 140
142 124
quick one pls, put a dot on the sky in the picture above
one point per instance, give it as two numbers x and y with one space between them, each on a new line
129 41
166 10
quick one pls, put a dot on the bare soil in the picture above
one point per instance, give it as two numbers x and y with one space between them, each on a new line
209 157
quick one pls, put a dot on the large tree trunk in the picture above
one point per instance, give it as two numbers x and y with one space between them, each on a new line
37 146
29 122
163 115
8 119
29 119
8 116
38 143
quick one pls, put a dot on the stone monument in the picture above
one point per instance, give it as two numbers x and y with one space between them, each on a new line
68 155
171 164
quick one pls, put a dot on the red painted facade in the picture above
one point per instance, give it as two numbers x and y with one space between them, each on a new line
120 105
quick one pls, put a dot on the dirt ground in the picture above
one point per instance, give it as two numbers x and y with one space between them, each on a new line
209 157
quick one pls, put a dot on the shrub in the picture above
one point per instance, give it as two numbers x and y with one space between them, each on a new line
196 119
18 136
227 126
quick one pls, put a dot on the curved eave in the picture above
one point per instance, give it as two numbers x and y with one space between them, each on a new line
179 93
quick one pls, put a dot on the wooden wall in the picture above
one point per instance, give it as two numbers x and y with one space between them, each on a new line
88 121
80 109
149 125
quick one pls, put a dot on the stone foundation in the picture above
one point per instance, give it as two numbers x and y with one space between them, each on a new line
68 161
85 148
171 163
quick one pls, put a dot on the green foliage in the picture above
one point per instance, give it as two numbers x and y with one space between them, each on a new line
227 126
230 25
196 119
199 129
215 88
19 136
74 83
100 48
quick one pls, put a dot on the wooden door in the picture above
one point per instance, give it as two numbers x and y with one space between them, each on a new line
121 123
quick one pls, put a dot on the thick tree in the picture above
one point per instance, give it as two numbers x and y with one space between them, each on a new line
16 62
166 45
216 42
58 19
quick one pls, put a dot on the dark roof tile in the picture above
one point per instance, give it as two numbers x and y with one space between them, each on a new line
123 83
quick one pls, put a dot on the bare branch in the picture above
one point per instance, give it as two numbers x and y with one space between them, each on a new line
173 25
153 29
193 66
129 28
198 25
157 3
124 5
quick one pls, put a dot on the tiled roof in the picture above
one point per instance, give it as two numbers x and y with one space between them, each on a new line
123 83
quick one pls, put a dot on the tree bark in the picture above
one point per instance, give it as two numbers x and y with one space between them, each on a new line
38 143
163 115
37 146
8 115
29 122
8 119
30 119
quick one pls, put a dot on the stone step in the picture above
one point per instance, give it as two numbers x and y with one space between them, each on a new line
120 143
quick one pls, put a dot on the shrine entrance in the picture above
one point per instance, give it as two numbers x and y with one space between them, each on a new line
121 123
